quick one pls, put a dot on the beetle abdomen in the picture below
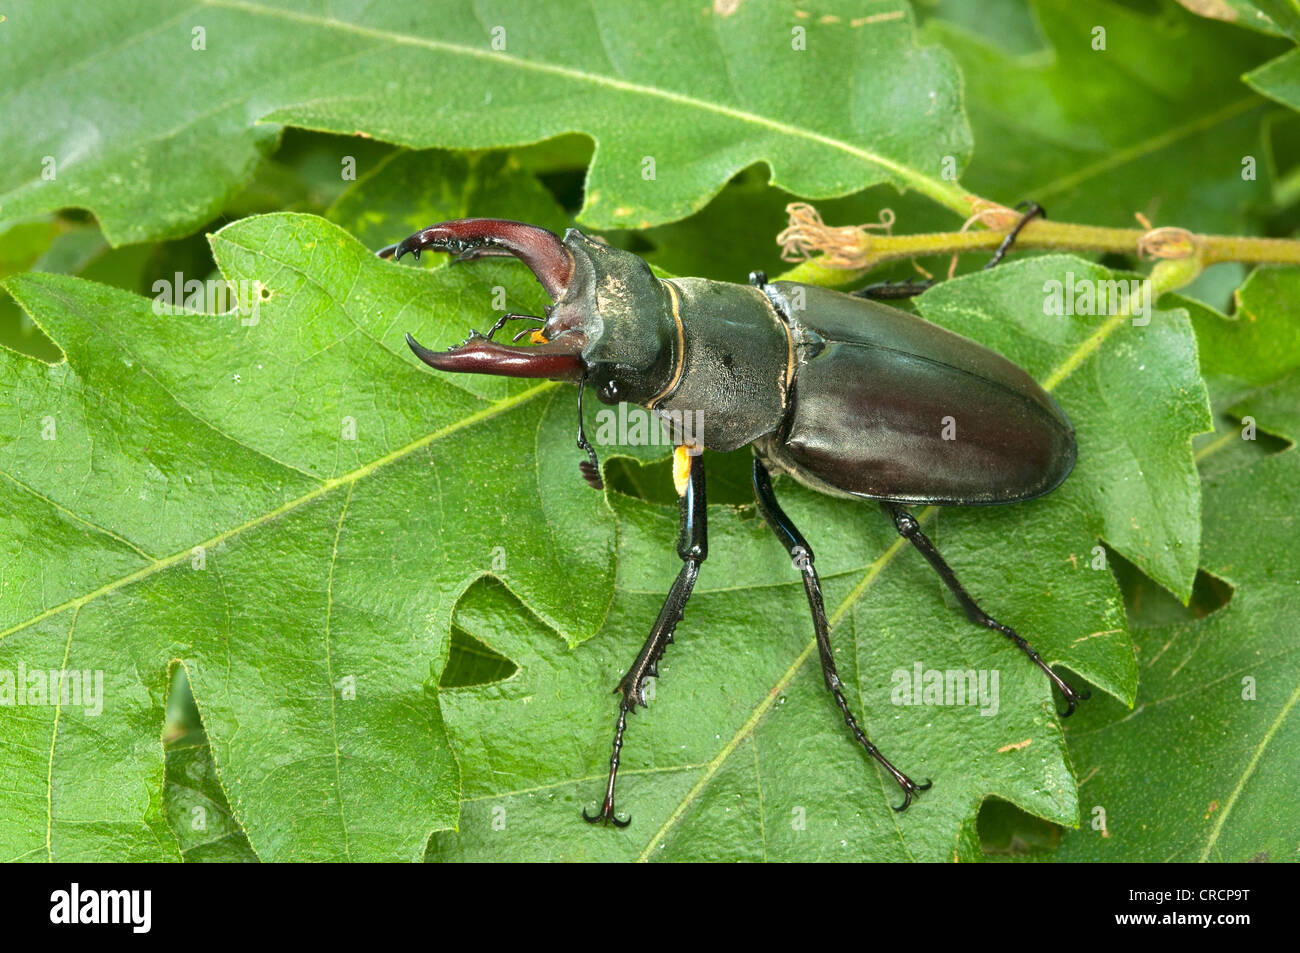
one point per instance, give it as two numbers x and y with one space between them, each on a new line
889 406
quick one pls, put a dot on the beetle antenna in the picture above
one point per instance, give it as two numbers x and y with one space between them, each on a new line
590 468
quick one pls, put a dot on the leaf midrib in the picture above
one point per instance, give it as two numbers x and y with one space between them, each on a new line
326 487
1145 147
947 194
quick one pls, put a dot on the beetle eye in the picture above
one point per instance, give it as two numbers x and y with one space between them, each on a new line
609 392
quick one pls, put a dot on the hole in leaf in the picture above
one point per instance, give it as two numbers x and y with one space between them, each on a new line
182 714
1007 831
729 478
470 662
1116 262
1148 605
567 185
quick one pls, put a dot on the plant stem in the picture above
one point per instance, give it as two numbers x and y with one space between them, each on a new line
1168 244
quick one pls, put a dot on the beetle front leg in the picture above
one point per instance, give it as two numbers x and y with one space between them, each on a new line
802 555
910 530
693 549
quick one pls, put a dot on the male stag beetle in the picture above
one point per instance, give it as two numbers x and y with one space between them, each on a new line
841 392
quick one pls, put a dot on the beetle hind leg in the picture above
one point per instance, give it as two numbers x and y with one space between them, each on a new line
892 290
910 530
1032 210
693 549
802 556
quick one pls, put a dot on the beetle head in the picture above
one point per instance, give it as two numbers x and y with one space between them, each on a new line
625 315
610 323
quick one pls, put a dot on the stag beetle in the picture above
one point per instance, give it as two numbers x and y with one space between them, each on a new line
840 392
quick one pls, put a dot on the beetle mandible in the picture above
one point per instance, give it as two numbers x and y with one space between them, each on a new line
840 392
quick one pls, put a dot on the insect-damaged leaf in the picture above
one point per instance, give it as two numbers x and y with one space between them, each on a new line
1203 768
405 530
290 505
1200 769
679 97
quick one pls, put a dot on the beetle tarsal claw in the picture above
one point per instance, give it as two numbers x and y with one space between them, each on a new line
606 816
910 790
1072 697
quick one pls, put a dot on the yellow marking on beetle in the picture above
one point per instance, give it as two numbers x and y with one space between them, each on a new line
537 337
681 469
681 347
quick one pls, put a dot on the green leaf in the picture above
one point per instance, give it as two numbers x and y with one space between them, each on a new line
197 808
201 500
831 100
1200 770
1260 345
327 557
1135 485
1279 79
1251 363
412 189
1277 17
1097 134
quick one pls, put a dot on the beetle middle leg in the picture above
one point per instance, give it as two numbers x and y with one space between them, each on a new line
693 549
910 530
802 555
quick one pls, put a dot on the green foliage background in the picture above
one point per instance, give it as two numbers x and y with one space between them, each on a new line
400 646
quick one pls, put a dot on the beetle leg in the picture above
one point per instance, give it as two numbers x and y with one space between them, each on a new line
892 290
1032 209
910 530
802 555
693 549
589 468
501 323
